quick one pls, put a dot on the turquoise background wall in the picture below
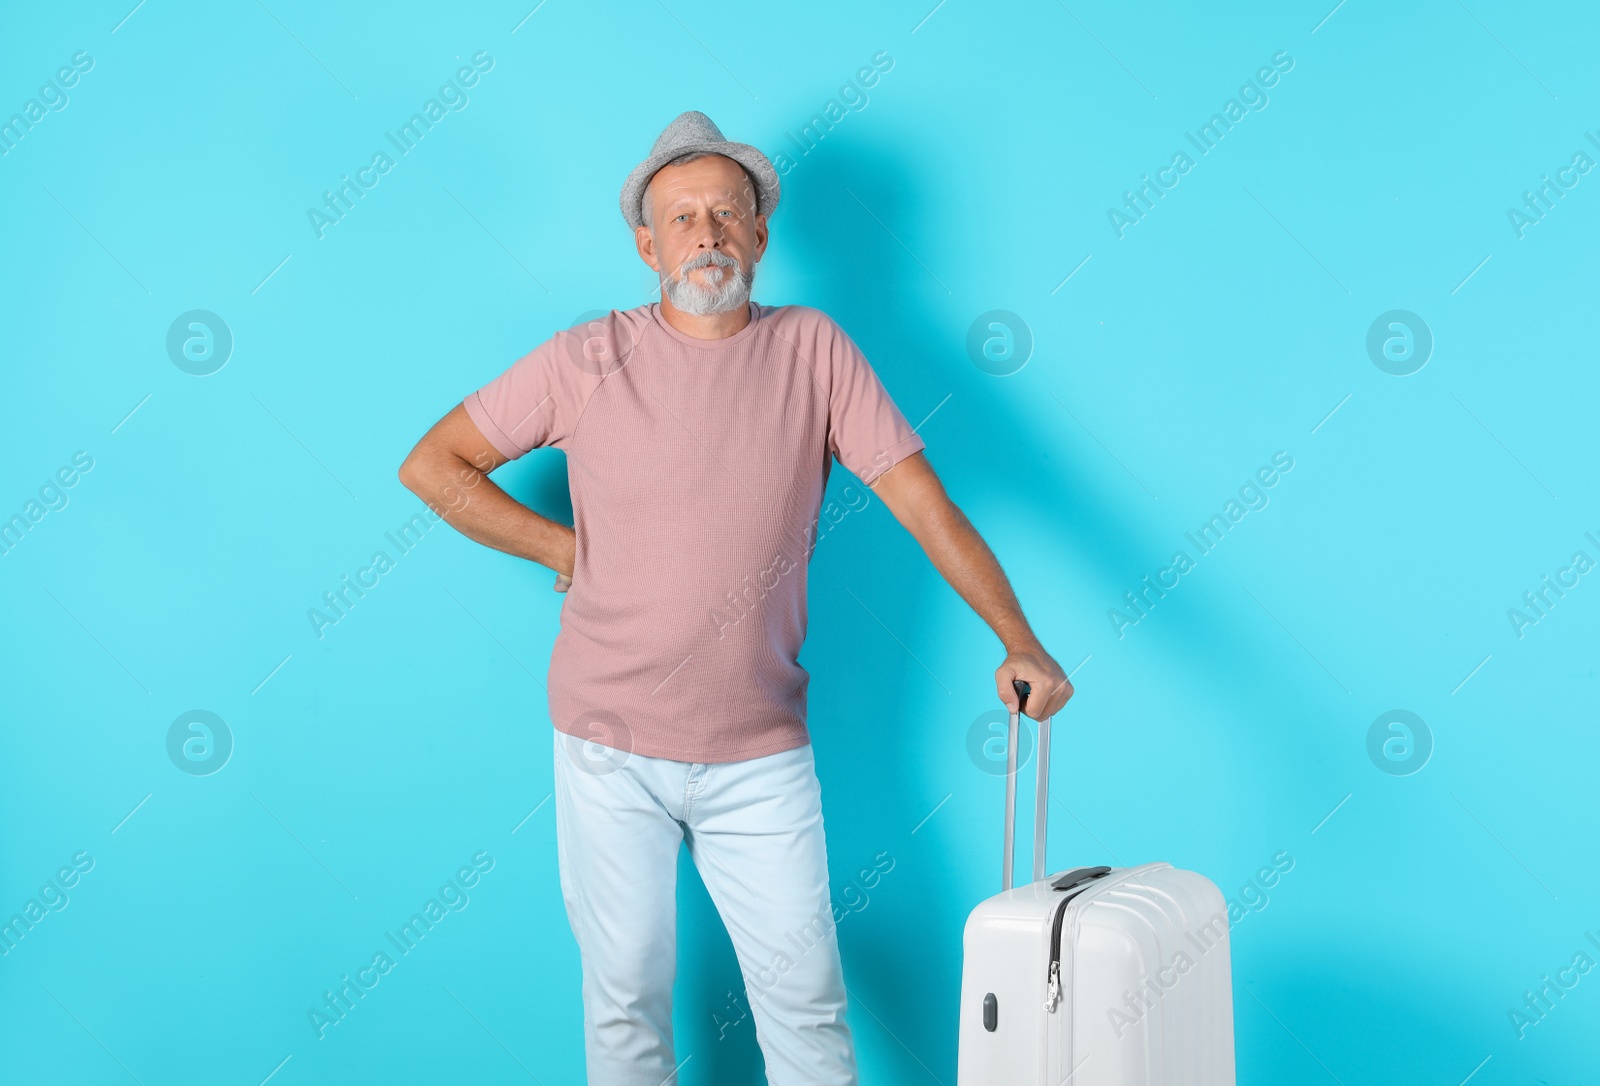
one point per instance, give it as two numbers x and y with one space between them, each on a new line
1374 283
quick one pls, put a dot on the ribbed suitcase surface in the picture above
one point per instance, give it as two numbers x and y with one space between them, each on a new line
1096 976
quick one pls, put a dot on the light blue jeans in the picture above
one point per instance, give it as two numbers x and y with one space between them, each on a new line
754 831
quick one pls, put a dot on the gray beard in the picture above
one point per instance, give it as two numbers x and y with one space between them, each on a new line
690 297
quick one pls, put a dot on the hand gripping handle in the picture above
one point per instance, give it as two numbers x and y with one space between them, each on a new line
1041 809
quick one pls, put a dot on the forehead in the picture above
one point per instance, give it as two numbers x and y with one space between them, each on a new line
715 177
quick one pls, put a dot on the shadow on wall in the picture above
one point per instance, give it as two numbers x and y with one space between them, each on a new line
1068 497
539 481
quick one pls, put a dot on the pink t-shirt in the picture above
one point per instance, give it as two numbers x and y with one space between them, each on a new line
697 470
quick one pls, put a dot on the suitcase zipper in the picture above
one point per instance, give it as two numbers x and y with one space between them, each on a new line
1053 993
1076 882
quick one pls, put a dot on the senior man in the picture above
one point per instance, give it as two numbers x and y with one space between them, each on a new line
698 432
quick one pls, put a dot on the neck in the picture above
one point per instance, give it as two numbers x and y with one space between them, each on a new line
712 326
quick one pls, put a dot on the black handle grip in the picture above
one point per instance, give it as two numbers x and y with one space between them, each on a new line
1023 690
1079 875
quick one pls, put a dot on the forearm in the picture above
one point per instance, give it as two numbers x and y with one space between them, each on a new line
962 557
914 494
479 509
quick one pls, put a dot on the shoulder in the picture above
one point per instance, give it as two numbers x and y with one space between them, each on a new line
599 340
799 320
618 325
814 335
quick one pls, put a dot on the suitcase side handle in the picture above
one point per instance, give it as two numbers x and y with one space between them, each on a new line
1041 808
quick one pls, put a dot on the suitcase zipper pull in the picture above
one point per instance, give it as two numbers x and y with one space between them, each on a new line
1054 991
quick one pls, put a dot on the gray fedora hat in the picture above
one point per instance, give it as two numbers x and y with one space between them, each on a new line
694 131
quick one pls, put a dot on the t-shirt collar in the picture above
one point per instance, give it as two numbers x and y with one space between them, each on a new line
742 334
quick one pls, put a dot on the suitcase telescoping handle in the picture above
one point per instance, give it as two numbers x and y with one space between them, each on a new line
1041 809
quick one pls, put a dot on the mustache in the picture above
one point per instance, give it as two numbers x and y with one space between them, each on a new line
708 258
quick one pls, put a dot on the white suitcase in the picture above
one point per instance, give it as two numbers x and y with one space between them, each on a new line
1098 976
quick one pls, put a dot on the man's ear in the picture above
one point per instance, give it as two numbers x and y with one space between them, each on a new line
761 238
646 244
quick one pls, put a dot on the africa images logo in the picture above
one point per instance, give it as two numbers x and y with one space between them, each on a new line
1252 98
338 202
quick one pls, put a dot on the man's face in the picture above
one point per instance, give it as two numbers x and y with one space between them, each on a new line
705 238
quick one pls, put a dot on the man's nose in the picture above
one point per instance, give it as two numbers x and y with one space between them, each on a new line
712 234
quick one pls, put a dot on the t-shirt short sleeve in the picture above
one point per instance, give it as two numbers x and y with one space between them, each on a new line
867 433
539 399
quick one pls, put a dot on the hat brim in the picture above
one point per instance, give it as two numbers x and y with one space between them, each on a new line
755 163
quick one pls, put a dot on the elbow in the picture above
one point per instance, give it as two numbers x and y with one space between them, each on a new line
939 515
410 472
